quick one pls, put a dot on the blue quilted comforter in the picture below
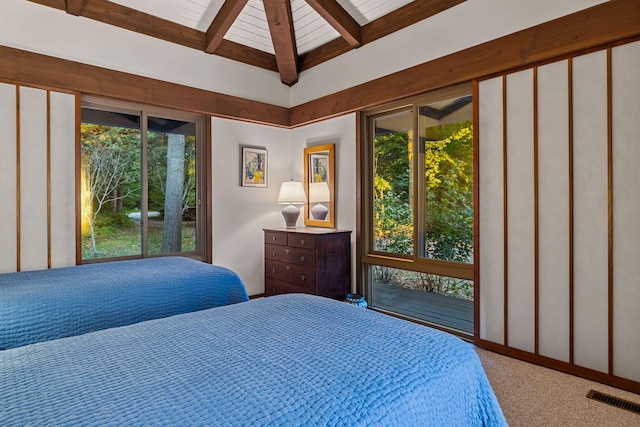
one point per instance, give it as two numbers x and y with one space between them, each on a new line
289 360
48 304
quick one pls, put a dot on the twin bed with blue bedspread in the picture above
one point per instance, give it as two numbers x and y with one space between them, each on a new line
288 360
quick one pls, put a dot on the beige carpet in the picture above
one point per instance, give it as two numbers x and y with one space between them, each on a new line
531 395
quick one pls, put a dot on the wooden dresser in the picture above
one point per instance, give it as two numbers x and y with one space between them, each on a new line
307 260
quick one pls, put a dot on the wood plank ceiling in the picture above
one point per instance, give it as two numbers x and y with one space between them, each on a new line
287 36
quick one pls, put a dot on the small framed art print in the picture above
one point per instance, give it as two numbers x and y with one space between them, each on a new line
254 167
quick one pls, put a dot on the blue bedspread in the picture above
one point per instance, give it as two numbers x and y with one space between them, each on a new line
289 360
48 304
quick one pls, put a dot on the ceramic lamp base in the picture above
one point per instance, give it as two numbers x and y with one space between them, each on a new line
319 212
290 214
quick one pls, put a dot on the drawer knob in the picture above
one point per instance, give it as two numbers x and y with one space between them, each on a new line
303 277
287 268
273 238
302 258
302 241
273 270
287 251
273 253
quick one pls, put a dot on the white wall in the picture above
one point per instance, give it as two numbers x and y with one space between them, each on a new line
340 131
240 213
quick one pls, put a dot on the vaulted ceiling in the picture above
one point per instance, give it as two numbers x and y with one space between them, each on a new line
287 36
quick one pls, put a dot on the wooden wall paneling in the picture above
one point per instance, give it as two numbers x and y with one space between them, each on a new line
626 209
62 179
590 203
33 179
520 211
491 210
8 178
553 210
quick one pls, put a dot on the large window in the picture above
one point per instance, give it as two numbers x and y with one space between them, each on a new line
143 181
418 215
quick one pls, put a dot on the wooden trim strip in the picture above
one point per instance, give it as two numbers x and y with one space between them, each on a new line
476 210
48 154
36 69
18 210
571 246
209 190
505 208
606 23
569 368
360 143
536 210
610 208
78 178
430 266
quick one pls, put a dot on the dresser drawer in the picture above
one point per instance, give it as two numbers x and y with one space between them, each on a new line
290 273
275 238
278 287
306 241
290 255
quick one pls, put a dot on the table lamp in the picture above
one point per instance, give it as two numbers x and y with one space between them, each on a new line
291 194
319 194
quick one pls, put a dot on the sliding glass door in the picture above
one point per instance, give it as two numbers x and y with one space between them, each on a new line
142 183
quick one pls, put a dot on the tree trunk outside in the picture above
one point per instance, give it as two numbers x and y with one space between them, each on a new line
172 227
93 239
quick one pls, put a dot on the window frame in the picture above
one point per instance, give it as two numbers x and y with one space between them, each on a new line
416 261
203 174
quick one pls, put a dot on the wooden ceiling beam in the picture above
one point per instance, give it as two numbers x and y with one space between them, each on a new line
120 16
247 55
74 7
133 20
409 14
280 23
221 23
339 19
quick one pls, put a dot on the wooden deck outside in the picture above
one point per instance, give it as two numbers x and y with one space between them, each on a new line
446 311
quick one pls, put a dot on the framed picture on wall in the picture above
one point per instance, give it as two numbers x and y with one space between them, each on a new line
254 168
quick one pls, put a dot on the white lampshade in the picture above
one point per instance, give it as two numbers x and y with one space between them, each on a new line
318 192
292 192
